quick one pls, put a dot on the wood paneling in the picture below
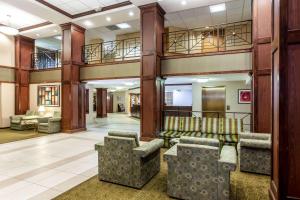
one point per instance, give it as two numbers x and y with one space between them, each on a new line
152 27
285 100
73 91
24 47
101 102
262 65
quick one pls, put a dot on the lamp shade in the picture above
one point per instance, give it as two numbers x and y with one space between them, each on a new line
41 109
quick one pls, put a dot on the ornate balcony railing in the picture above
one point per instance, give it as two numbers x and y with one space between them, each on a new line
218 38
112 51
46 60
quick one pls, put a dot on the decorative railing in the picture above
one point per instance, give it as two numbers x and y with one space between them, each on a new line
46 60
217 38
112 51
245 116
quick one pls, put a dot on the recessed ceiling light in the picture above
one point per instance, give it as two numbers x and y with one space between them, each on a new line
8 30
123 25
131 13
183 2
129 83
58 37
55 31
202 80
108 19
119 88
206 27
88 23
217 8
37 34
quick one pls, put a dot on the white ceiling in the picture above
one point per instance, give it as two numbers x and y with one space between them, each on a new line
16 17
194 14
212 78
79 6
115 84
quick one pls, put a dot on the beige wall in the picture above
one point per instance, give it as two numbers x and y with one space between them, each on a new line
7 50
231 96
7 103
45 76
110 71
120 97
206 64
33 104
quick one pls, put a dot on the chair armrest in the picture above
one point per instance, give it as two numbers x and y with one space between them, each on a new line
99 145
148 148
258 136
55 119
16 117
43 119
253 143
171 153
228 158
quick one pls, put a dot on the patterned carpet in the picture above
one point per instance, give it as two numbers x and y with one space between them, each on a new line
7 135
244 186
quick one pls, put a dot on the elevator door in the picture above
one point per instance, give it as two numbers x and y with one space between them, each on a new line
213 101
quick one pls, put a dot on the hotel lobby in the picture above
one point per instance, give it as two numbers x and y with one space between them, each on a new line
149 99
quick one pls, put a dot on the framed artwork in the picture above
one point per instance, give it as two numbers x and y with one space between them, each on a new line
49 95
244 96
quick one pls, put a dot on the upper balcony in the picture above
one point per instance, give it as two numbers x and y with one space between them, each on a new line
219 38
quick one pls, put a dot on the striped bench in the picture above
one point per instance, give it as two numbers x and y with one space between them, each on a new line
224 129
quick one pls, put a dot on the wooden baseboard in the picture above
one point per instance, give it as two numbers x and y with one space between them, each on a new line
74 130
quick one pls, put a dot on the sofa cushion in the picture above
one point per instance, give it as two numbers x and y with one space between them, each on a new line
200 141
210 125
190 124
230 126
172 123
125 134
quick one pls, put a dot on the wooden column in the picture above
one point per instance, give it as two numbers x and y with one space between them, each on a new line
152 28
24 47
101 102
262 65
285 176
73 92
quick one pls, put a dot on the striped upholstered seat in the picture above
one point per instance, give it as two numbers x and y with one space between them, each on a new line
168 135
229 128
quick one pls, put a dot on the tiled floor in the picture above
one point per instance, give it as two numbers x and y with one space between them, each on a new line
42 168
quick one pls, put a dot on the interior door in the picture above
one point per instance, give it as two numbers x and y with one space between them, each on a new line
213 101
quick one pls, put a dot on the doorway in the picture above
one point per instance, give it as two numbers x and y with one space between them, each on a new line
213 101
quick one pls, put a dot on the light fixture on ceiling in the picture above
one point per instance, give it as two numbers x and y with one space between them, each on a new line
202 80
108 19
131 13
88 23
123 25
112 90
207 27
119 88
38 35
129 83
55 31
183 2
217 8
8 30
58 37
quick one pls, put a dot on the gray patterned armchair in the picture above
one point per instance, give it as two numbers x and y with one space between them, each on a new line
123 161
50 124
198 171
24 122
255 153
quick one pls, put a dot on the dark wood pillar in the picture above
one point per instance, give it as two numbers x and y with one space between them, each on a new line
285 176
152 28
101 102
262 65
73 92
24 47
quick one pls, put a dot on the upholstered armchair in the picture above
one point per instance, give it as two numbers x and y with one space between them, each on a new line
198 171
23 122
124 161
49 124
255 152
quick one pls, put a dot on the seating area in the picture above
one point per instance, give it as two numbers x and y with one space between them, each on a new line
226 130
33 120
198 168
